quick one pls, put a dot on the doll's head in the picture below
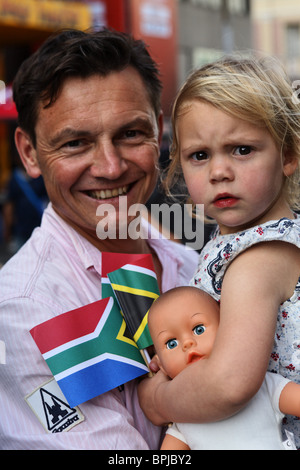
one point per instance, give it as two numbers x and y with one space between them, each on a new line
255 90
183 323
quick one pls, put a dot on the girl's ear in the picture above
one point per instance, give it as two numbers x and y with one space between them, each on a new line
290 164
27 153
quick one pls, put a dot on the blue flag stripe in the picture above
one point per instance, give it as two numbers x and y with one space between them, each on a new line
95 360
96 379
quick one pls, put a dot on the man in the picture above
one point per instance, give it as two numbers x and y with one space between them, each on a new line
90 123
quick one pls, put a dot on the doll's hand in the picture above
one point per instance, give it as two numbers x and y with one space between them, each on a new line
153 366
149 391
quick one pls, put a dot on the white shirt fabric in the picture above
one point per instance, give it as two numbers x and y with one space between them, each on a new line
256 427
56 271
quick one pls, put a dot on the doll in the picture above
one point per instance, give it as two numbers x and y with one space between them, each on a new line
183 324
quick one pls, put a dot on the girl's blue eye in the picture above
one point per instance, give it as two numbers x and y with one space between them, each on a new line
172 343
199 330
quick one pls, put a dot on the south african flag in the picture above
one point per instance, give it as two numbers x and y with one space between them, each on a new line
88 351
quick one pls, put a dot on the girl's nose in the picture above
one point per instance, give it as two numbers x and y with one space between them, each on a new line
220 169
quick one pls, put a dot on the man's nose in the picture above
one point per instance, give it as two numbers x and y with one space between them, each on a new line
108 162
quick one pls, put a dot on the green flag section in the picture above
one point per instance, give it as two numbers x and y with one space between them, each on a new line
136 288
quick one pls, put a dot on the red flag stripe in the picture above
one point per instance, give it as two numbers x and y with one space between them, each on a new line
68 326
113 261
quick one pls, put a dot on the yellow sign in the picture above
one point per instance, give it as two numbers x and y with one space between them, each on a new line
48 15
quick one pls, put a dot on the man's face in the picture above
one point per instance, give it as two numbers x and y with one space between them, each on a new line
98 141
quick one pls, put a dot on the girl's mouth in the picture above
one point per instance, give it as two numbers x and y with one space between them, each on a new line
225 200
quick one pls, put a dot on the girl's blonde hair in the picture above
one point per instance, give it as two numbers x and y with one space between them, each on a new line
253 89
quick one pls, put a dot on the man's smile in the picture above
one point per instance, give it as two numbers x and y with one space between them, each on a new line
108 193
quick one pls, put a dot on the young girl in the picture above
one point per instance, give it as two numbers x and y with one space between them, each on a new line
236 131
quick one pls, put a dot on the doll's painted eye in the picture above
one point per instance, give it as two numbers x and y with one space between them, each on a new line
199 330
172 343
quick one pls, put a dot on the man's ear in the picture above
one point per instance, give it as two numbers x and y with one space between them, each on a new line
290 164
27 153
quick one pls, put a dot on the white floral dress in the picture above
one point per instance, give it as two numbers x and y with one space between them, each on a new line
214 260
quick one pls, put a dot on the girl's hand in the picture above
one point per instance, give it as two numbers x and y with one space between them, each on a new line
149 391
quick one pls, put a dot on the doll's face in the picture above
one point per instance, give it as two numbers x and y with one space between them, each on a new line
183 327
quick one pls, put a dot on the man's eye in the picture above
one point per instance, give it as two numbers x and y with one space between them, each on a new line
172 343
73 143
199 156
132 133
199 330
243 150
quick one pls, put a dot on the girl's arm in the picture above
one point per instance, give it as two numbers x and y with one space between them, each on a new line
254 286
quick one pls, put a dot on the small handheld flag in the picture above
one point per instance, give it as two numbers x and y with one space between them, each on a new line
135 286
87 350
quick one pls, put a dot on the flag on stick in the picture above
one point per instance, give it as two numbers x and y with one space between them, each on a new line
135 286
87 350
110 262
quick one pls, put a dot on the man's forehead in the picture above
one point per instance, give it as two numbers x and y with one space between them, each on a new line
127 79
81 104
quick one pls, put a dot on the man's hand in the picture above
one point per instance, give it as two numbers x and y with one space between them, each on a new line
149 391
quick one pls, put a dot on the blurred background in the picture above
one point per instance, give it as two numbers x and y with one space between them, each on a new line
181 34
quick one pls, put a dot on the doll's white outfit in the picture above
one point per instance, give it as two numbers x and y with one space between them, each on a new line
256 427
214 260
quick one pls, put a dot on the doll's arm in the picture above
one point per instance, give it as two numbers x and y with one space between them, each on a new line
289 401
172 443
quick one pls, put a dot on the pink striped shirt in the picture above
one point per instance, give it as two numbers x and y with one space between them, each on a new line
57 270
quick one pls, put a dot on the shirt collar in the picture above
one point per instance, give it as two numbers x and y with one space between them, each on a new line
74 243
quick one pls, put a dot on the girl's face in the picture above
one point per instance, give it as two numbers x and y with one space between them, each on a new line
232 167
